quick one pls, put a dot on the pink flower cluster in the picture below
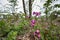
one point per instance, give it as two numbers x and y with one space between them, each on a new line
36 13
33 22
37 33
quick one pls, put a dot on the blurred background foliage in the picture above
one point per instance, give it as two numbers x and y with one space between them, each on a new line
16 24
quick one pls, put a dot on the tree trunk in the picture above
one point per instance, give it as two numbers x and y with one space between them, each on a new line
24 8
30 8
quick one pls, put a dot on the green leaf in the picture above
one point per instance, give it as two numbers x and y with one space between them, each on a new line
12 35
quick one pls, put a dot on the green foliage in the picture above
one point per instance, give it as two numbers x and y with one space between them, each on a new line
12 35
57 5
53 32
13 5
58 12
53 16
4 27
13 1
23 27
48 3
47 8
10 30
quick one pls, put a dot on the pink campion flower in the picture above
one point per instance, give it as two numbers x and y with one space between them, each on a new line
36 13
38 31
33 22
38 35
